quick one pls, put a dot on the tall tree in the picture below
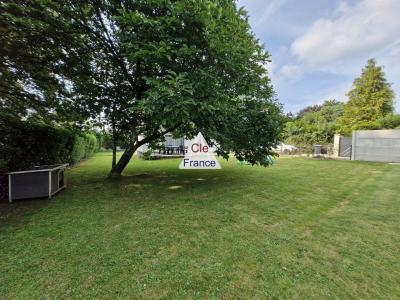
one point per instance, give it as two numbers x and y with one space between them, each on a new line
147 68
32 56
370 99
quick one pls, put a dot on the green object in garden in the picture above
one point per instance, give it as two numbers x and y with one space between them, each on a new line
270 160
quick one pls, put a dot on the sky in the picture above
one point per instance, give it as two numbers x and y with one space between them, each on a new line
318 47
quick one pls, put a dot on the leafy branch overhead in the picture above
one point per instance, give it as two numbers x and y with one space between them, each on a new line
142 68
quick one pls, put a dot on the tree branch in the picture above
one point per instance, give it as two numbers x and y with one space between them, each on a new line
157 135
115 55
115 51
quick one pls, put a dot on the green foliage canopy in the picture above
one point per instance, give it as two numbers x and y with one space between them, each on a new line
314 125
370 106
144 67
370 100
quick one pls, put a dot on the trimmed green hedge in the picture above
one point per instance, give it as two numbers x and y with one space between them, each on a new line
84 146
24 144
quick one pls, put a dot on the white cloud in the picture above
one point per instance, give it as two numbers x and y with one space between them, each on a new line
368 26
290 72
337 92
270 9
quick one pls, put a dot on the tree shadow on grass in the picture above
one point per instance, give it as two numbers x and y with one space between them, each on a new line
204 182
90 187
18 212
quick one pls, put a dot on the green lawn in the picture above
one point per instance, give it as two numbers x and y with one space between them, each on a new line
303 228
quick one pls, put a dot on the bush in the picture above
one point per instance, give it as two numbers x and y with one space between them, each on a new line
91 144
84 146
78 149
24 144
147 155
390 122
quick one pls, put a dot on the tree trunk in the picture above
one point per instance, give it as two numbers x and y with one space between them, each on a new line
114 154
132 147
123 161
114 157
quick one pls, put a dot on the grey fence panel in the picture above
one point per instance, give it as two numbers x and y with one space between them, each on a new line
376 145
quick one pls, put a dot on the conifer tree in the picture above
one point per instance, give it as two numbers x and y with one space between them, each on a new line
370 100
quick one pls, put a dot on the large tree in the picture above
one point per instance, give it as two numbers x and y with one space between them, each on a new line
145 68
370 100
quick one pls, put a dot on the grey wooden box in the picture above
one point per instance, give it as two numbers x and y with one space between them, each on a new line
37 182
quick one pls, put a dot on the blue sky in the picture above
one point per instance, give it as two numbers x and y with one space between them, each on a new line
318 47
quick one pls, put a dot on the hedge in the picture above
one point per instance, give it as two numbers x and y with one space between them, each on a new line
24 144
84 146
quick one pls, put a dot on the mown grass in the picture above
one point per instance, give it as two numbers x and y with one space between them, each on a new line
301 229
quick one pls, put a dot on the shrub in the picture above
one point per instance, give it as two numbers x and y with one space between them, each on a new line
147 155
24 144
91 144
78 149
